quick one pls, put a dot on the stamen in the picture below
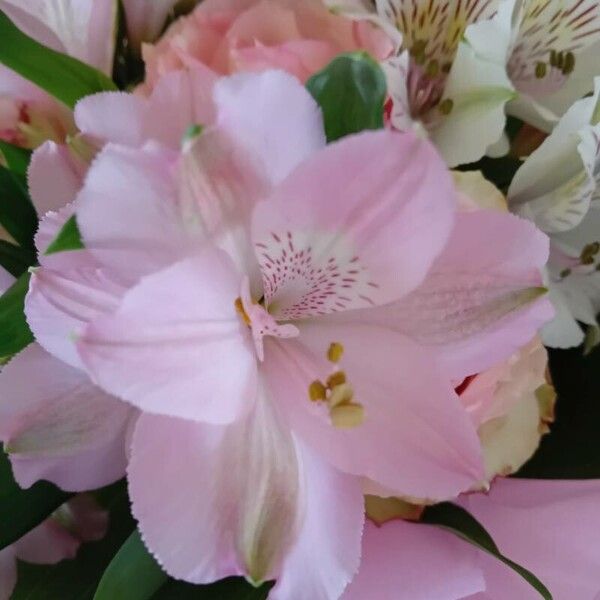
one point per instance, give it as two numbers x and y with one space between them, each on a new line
239 307
569 64
336 378
446 106
347 416
340 394
317 391
335 351
589 252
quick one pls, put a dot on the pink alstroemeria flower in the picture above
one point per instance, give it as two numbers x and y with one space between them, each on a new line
54 422
238 283
57 538
549 527
247 275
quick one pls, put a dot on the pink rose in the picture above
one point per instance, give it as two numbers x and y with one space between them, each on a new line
253 35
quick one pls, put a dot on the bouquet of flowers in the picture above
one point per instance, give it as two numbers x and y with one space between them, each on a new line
278 278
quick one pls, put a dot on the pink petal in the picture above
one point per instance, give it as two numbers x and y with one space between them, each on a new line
8 572
54 179
57 426
408 561
550 527
145 20
244 499
47 544
128 212
176 345
181 99
326 553
264 112
416 438
367 215
60 304
481 301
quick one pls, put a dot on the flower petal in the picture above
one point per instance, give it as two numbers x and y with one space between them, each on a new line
128 211
8 572
59 304
54 179
550 527
181 98
555 185
416 439
57 426
408 561
481 301
264 112
176 345
47 544
358 224
243 499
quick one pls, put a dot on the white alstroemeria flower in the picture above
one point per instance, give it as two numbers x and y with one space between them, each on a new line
437 83
549 49
558 187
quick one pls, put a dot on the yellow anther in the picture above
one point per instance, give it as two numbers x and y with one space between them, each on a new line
569 63
419 47
239 306
446 106
433 68
589 252
540 70
347 416
336 378
553 58
565 273
560 60
317 391
335 351
340 394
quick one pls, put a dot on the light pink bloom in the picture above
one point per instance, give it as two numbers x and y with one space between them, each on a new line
189 242
252 35
57 538
56 424
84 29
549 527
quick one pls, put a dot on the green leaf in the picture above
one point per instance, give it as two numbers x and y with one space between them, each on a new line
17 213
570 450
17 159
68 238
14 331
457 520
77 579
22 510
63 77
351 91
14 259
132 574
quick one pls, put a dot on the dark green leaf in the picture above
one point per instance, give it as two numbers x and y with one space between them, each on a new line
63 77
14 331
21 510
232 588
68 238
132 574
17 159
570 451
17 214
457 520
14 259
77 579
351 92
